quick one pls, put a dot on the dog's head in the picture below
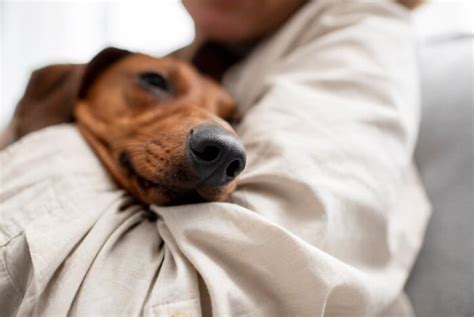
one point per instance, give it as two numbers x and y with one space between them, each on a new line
159 127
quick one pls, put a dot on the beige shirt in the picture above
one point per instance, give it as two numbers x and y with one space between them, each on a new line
327 219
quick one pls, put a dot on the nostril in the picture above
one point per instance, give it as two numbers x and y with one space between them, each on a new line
208 154
233 169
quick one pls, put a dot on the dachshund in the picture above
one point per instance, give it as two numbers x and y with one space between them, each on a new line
157 125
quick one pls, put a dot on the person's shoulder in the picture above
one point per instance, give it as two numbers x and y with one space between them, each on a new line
51 153
319 18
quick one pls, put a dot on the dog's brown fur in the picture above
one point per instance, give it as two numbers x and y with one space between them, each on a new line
138 132
411 4
48 99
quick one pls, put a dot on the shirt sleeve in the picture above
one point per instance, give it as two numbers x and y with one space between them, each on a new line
329 214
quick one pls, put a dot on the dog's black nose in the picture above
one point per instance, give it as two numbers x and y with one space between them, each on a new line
215 155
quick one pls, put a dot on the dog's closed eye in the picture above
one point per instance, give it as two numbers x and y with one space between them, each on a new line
154 81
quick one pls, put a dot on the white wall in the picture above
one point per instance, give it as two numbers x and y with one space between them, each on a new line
36 33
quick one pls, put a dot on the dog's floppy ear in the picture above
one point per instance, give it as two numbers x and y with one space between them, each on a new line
53 90
98 65
48 99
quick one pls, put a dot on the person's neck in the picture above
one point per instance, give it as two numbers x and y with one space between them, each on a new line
214 58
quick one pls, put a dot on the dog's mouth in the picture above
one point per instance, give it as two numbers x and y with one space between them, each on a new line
163 194
202 168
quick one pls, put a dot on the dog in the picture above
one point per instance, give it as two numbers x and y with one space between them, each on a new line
157 125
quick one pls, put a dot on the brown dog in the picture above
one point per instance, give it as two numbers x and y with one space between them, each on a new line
156 124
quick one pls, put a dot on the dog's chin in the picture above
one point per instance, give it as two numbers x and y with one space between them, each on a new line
161 192
185 198
173 196
152 192
216 193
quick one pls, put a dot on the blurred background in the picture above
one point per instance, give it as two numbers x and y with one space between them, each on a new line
36 33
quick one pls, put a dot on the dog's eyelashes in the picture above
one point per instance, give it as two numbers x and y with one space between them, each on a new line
155 80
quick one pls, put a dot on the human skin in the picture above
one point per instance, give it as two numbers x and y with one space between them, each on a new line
239 21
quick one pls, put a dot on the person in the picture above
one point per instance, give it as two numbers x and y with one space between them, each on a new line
328 216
